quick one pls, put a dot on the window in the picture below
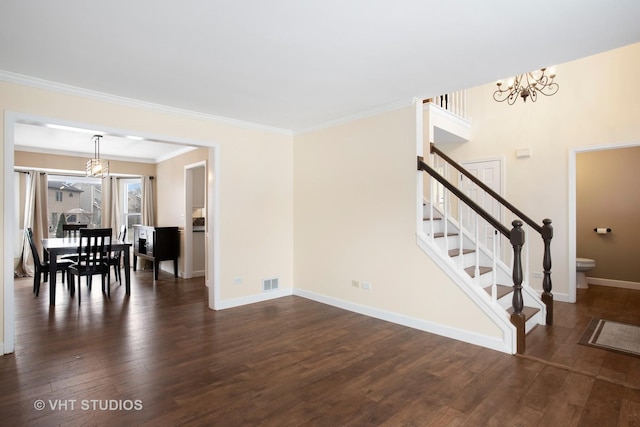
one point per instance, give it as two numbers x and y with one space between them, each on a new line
83 203
131 204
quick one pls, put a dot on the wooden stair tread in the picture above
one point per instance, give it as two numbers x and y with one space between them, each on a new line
439 235
528 312
455 252
501 290
471 271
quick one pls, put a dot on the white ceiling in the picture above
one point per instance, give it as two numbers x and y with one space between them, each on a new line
80 142
299 64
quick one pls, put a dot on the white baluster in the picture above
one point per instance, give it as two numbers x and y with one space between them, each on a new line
494 284
432 195
477 269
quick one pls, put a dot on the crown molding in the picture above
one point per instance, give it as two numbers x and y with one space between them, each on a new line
35 82
385 108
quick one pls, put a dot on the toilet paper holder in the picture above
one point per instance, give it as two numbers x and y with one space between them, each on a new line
602 230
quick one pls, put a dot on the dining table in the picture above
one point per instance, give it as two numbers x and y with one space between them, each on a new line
54 247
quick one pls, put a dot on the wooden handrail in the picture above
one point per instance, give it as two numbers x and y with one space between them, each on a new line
466 199
515 236
492 193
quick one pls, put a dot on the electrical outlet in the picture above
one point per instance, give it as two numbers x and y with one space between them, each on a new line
366 286
355 283
537 274
237 280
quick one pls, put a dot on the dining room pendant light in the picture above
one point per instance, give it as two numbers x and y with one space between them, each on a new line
97 167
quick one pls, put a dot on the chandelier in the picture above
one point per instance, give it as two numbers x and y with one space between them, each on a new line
97 167
527 85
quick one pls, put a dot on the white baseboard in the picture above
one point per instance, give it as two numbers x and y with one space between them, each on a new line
423 325
561 297
251 299
613 283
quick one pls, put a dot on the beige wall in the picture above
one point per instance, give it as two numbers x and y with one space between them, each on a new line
595 106
72 163
608 195
355 219
170 187
170 193
255 191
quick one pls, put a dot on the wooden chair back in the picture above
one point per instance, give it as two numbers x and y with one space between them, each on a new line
34 249
94 250
72 230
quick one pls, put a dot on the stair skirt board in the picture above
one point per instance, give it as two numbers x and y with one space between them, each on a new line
447 257
491 343
496 314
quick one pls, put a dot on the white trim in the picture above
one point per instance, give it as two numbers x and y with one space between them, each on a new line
411 322
392 106
9 230
134 103
613 283
212 225
452 128
252 299
561 297
572 214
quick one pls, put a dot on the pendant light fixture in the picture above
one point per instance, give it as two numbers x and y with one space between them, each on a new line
97 167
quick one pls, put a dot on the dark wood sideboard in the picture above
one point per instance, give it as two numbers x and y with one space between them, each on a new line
156 244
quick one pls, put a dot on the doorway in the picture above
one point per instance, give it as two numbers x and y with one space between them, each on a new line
573 216
11 119
195 225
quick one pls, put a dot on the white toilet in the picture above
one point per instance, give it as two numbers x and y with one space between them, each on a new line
583 265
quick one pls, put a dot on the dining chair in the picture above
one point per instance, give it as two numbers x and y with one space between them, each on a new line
71 231
95 251
116 257
42 268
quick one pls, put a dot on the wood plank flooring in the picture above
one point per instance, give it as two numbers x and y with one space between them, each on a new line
163 358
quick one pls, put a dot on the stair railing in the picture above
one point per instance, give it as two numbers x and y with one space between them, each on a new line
545 230
454 102
516 237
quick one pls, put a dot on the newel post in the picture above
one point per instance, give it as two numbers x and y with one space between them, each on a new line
547 296
517 316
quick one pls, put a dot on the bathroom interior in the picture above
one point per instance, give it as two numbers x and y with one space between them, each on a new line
607 211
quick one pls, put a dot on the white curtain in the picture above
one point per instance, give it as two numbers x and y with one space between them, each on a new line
148 210
111 211
35 217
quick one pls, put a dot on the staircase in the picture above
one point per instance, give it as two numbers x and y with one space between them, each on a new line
477 268
480 254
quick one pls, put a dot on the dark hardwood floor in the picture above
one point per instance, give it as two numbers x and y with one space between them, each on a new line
161 357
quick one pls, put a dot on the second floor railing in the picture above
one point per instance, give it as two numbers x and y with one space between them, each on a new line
454 102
